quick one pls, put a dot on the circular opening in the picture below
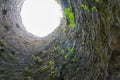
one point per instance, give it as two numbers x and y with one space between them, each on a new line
41 17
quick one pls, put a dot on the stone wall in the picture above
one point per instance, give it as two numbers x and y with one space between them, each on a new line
90 50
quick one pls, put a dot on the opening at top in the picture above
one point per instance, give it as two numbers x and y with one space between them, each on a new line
41 17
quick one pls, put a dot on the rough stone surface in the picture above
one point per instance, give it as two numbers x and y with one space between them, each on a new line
88 51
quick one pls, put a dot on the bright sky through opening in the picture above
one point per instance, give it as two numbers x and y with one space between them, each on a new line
41 17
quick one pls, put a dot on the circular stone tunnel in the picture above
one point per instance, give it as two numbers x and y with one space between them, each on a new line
85 46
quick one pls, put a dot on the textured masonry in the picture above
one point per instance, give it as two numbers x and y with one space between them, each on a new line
88 51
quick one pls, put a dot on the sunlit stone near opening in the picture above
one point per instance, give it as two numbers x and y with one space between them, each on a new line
41 17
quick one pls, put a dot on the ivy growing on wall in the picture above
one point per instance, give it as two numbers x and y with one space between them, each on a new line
70 15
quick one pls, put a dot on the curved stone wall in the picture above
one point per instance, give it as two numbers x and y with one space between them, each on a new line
89 50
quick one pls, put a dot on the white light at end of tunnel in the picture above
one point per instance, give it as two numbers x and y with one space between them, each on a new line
41 17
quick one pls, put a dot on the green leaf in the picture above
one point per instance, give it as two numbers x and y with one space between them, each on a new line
51 63
97 0
27 70
70 15
66 57
94 8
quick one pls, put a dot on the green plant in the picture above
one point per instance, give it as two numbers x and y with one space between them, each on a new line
70 54
53 72
71 49
39 60
73 60
66 56
44 67
62 51
85 7
78 69
51 63
64 29
97 0
27 70
94 8
81 49
53 69
68 1
33 57
70 15
36 58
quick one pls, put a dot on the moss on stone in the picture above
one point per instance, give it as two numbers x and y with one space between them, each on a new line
70 15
